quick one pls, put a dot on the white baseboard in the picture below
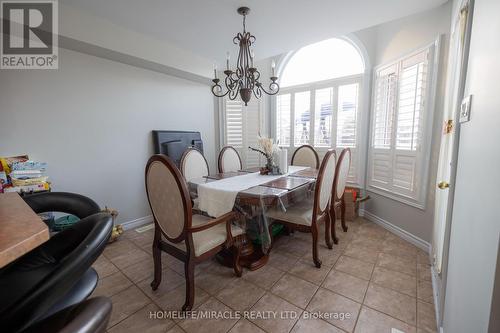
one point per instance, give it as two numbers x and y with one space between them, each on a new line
418 242
137 222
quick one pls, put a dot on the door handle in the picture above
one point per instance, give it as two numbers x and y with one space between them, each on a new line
442 185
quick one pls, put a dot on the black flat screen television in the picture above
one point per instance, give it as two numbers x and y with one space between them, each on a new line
174 143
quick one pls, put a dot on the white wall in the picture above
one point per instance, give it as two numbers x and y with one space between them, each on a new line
385 43
475 226
91 120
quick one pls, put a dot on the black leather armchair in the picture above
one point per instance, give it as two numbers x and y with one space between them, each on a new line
91 316
53 276
64 202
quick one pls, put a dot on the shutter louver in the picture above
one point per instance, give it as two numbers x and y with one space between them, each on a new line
347 115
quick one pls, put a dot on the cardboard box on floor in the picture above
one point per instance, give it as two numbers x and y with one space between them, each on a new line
351 195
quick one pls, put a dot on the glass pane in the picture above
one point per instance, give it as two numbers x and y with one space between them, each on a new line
346 115
302 118
283 120
323 117
328 59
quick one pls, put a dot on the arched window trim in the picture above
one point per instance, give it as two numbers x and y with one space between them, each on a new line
363 79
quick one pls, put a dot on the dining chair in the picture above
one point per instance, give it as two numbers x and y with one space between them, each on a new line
191 238
339 184
193 164
305 156
229 160
305 216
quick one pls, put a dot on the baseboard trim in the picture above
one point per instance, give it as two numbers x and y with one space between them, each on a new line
137 222
418 242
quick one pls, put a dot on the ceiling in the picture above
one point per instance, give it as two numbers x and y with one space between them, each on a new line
207 27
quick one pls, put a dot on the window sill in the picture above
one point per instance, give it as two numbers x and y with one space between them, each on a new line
397 197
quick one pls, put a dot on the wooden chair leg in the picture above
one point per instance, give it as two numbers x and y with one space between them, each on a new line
314 232
156 261
189 272
328 241
333 219
342 214
236 258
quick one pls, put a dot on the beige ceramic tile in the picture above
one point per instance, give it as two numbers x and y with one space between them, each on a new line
140 271
424 272
169 281
126 303
296 291
401 282
310 324
371 321
426 317
346 285
361 253
398 264
281 314
175 299
306 270
264 277
112 285
282 261
144 321
240 295
424 291
343 312
393 303
244 326
104 267
212 325
355 267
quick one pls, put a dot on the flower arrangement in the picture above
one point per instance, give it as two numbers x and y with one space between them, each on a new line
268 148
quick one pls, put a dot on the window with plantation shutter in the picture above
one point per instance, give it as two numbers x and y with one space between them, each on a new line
241 128
401 109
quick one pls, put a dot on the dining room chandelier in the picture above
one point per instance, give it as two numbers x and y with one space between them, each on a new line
244 80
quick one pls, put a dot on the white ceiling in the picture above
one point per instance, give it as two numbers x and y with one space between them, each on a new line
207 27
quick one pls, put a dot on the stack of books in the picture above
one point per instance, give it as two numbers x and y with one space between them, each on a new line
20 174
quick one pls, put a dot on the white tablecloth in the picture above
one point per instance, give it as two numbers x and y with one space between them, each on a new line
217 198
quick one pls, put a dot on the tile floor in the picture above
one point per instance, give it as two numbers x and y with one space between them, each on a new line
379 279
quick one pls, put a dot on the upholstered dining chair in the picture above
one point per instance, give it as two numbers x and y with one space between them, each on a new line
229 160
305 217
339 184
305 156
191 238
193 164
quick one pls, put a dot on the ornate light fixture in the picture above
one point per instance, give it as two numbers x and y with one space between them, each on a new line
245 79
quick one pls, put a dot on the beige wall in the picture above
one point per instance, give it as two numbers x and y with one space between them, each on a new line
91 120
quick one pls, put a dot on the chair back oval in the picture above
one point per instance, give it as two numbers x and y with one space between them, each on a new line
193 164
324 181
305 156
342 172
229 160
168 197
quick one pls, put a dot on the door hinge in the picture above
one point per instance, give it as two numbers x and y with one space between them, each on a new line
448 126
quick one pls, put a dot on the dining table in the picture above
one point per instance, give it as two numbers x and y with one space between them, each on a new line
251 194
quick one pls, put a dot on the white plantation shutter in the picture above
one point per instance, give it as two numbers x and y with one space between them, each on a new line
399 109
241 128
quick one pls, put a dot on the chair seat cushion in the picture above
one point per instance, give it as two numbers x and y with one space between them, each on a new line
210 238
300 213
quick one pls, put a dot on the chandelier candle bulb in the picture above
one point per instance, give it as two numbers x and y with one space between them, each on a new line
228 57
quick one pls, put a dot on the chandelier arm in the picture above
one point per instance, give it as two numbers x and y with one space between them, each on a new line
217 94
271 91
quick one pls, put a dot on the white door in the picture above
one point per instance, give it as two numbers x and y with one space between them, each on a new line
449 144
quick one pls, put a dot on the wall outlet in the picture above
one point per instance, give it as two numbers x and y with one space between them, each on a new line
465 109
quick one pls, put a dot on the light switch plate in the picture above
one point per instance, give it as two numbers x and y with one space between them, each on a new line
465 109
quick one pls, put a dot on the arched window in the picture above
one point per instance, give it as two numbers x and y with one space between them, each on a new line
329 59
319 99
